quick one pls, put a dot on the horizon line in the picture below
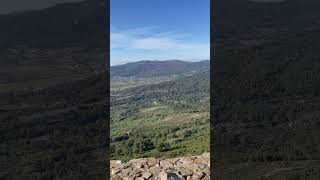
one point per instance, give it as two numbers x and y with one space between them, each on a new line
157 60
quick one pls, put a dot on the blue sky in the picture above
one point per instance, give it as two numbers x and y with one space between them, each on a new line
159 30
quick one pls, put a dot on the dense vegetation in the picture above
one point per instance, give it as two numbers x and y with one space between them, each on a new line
53 122
55 133
159 68
164 119
266 91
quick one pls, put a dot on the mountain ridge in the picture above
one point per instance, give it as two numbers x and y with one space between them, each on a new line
148 68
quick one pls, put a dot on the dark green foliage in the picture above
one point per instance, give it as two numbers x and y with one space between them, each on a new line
266 85
58 133
52 90
148 145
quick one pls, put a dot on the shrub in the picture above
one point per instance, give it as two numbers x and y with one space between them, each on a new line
163 146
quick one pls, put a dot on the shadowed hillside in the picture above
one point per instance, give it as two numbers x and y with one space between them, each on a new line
54 93
56 132
68 24
266 82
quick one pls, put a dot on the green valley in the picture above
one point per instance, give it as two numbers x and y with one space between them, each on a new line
166 118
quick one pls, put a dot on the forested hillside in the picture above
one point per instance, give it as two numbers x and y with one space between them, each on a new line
266 83
159 68
150 72
53 93
164 119
56 132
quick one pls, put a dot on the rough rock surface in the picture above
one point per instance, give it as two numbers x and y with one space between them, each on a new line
181 168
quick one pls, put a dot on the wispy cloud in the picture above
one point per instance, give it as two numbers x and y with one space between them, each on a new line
149 44
148 39
155 43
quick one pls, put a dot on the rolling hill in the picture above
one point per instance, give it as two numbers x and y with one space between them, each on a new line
159 68
162 119
151 72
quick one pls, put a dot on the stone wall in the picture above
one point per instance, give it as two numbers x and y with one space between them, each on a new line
190 167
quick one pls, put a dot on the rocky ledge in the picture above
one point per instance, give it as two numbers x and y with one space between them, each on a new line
190 167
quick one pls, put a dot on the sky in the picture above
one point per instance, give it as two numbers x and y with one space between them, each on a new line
9 6
159 30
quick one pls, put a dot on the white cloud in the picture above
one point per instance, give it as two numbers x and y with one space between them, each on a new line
154 43
147 39
148 44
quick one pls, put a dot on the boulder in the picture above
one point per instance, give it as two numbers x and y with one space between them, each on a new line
146 175
165 164
170 176
115 177
180 168
198 175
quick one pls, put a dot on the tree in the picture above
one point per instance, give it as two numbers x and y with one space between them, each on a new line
148 145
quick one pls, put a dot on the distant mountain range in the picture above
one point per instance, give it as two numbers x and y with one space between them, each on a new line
159 68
